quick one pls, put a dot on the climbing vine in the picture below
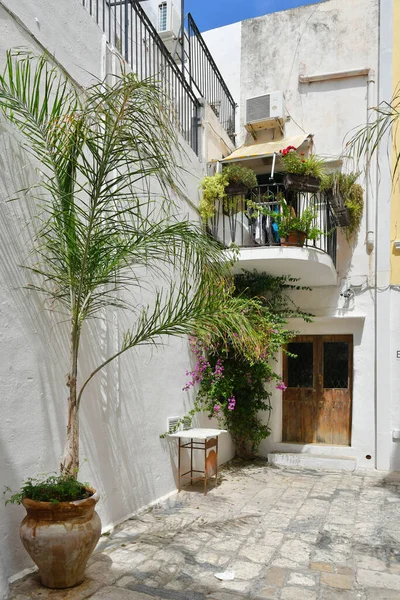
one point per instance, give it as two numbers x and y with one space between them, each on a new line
234 387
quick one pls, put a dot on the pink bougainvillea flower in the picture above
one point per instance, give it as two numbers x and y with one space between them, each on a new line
231 403
281 386
217 408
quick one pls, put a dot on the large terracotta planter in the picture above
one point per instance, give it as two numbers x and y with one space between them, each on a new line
60 537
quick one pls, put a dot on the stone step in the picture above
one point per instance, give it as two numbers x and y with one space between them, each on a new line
312 461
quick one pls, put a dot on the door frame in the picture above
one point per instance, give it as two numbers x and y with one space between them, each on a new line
311 398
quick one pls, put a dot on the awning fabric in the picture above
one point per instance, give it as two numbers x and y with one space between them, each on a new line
265 149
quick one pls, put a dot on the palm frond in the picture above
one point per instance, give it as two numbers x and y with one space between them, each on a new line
383 120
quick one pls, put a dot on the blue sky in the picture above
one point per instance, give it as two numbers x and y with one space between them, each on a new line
209 14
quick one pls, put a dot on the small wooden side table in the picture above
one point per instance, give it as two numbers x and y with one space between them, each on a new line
205 440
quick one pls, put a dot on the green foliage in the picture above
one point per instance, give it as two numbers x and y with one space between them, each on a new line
238 175
235 384
383 120
110 227
214 188
355 203
54 488
353 196
300 164
287 220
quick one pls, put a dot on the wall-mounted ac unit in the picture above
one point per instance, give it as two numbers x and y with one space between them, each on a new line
168 24
265 112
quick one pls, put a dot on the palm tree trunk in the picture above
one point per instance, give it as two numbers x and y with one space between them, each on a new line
70 460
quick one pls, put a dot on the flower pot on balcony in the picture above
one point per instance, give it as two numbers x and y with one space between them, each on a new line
294 238
341 212
301 183
60 537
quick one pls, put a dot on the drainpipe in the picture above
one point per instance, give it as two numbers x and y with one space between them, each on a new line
369 196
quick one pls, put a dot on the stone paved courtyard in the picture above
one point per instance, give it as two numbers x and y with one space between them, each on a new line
286 534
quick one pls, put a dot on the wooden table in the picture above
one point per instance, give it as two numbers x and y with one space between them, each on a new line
200 439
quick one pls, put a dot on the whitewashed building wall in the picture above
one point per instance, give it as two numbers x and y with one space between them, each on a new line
267 54
126 407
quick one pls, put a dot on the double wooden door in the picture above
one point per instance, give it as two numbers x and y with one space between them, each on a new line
317 403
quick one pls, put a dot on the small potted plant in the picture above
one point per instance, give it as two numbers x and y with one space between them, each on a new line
293 230
229 187
346 198
303 173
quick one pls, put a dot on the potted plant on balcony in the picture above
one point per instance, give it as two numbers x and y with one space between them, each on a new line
346 198
293 230
229 187
303 173
95 235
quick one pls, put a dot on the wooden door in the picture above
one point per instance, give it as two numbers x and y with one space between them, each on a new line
317 401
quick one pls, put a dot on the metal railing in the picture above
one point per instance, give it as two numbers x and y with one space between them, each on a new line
204 75
236 221
128 28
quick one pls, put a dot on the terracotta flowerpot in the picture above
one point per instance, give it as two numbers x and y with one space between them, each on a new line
294 238
301 183
60 537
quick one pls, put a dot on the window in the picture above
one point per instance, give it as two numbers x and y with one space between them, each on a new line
336 365
300 369
162 16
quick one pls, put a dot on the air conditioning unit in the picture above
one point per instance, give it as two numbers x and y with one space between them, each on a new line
168 24
265 112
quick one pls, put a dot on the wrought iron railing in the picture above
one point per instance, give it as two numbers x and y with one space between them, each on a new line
130 31
205 76
237 221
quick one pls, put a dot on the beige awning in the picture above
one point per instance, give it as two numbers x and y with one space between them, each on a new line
265 149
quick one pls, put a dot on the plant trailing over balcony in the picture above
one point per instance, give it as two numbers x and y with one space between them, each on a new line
293 229
346 198
228 187
304 172
234 386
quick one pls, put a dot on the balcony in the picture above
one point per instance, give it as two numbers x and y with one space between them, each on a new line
185 76
260 247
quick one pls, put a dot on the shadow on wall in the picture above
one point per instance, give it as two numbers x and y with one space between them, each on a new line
35 407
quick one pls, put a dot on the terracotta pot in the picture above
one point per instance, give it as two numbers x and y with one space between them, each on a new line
295 238
301 183
60 538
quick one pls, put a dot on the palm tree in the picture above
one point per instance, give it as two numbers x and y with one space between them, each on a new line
384 119
102 225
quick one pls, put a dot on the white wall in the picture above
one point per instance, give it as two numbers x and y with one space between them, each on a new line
330 36
224 44
126 407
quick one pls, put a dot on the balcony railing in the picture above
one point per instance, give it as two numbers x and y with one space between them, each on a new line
205 76
241 224
128 28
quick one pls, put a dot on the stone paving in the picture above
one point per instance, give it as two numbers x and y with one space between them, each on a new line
286 534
